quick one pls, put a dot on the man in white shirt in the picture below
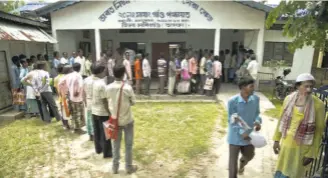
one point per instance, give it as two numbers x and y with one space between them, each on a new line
226 65
146 70
120 98
87 97
40 80
100 112
81 59
202 72
64 59
128 74
253 67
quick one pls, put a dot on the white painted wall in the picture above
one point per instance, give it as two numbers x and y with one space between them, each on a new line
228 36
226 15
302 60
69 40
20 47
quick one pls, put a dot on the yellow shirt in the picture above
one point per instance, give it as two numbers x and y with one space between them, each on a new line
56 81
290 160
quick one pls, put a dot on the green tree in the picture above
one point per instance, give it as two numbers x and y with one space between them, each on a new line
305 21
8 6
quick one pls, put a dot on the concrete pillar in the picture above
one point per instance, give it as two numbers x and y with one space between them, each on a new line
217 41
97 44
260 46
54 34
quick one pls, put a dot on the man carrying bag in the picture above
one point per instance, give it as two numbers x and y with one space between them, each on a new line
120 98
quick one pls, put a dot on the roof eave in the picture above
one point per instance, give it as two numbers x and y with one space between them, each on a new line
22 20
46 10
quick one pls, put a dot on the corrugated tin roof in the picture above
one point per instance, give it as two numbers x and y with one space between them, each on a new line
55 6
31 6
21 20
10 31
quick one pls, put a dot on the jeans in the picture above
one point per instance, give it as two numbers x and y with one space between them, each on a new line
101 144
161 84
48 99
247 153
88 119
128 138
146 85
202 83
138 86
193 85
216 86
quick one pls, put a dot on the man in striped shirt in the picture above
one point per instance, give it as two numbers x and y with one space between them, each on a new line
161 69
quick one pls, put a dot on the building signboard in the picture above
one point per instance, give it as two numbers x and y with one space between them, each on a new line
153 19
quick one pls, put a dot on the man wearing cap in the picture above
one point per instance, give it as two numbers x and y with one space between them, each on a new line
299 130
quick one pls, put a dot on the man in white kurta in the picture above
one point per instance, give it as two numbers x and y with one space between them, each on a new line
80 59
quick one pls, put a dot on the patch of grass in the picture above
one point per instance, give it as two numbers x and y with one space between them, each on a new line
275 112
163 131
180 131
24 140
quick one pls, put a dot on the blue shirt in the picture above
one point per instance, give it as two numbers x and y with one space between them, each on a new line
177 64
249 111
209 66
71 61
56 62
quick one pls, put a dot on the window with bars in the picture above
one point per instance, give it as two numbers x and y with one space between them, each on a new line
277 51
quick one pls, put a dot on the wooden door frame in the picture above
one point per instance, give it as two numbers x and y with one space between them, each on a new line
9 80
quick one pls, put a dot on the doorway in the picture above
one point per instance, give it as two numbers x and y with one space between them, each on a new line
157 49
5 89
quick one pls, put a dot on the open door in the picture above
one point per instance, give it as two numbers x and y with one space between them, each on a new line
158 48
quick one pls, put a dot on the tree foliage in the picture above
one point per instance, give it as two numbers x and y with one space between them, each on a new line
304 21
9 6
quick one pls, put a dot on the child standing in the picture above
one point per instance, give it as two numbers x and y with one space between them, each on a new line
125 118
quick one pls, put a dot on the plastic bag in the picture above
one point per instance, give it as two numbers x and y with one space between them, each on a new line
235 118
257 139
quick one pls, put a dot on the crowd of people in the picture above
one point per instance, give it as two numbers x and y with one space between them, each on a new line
81 99
89 93
187 71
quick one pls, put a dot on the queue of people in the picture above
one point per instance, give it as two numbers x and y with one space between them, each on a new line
196 72
108 92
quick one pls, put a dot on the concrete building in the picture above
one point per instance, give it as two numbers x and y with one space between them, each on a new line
162 25
19 35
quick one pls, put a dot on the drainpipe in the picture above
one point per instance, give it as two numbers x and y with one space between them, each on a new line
320 58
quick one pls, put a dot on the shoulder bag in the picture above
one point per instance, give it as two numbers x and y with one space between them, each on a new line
111 125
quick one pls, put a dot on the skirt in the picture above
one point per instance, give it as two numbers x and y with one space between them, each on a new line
32 106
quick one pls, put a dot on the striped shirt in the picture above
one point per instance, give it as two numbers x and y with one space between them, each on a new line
161 67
